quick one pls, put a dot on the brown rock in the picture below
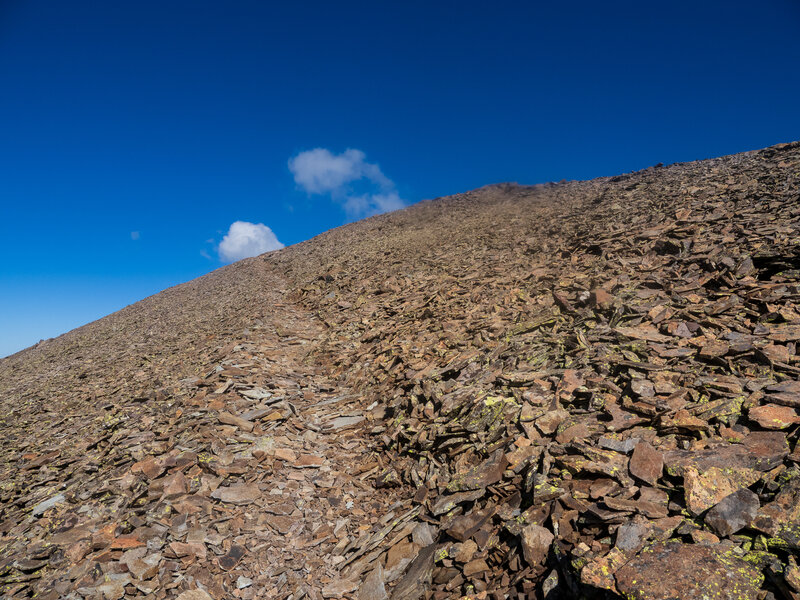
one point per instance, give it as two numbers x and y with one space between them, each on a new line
536 542
230 419
175 485
599 572
150 468
417 578
398 558
308 461
773 416
231 558
643 388
463 527
646 463
285 454
671 570
474 567
714 349
466 551
793 574
194 595
113 585
578 431
550 421
125 542
237 494
482 475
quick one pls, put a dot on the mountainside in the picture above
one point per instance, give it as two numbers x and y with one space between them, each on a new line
553 391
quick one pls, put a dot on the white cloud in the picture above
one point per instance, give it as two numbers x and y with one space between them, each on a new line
247 239
319 171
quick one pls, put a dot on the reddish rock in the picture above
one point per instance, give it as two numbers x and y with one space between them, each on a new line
646 463
666 571
126 542
550 421
174 486
308 460
774 416
150 468
600 297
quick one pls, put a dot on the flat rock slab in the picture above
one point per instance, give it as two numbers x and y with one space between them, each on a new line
42 507
646 463
344 422
194 595
707 488
671 570
237 494
774 416
733 513
761 451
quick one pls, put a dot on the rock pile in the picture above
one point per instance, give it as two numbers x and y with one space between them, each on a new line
591 387
585 389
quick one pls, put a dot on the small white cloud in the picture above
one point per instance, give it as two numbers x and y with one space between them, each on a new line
319 171
247 239
134 235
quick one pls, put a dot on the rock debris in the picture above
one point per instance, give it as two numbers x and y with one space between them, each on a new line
585 389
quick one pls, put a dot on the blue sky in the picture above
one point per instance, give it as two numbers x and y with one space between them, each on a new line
134 134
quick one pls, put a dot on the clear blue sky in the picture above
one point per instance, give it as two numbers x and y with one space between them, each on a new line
174 119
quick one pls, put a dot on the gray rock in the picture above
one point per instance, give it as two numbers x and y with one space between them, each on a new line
372 588
625 446
417 579
632 535
343 422
423 535
47 504
550 585
734 512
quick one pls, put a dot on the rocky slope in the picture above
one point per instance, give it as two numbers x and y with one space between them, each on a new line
577 389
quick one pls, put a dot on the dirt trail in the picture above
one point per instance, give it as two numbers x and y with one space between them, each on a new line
251 481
